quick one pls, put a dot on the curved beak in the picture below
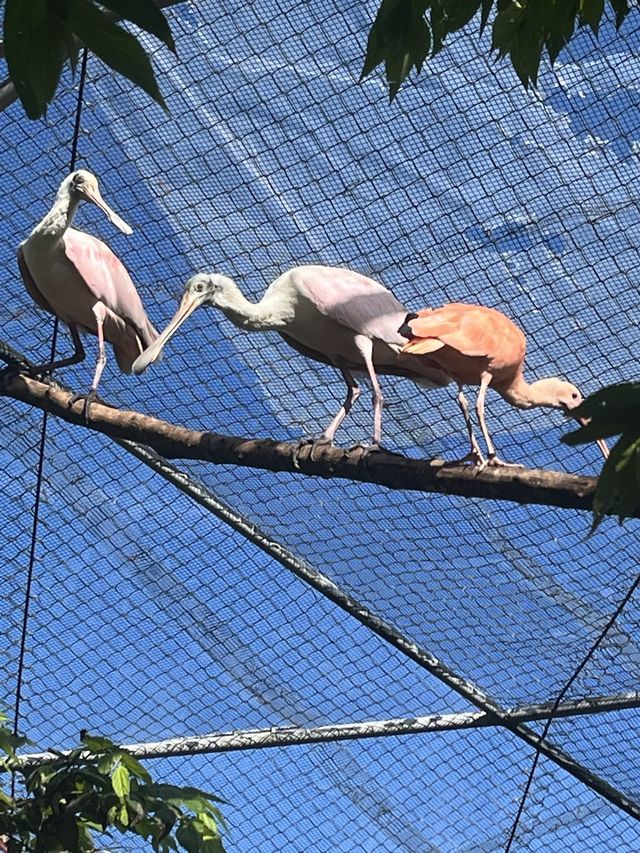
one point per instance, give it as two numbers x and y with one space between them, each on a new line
96 198
188 305
602 444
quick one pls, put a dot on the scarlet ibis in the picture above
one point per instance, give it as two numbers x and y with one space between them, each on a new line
474 345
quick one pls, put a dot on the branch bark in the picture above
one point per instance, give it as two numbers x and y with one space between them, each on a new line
523 486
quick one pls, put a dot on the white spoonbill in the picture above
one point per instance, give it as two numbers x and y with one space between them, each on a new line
77 277
329 314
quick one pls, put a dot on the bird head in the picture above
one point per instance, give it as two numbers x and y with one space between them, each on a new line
201 289
560 394
83 186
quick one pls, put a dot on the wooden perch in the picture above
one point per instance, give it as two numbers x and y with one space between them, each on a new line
535 486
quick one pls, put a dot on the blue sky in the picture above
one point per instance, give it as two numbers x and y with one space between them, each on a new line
152 619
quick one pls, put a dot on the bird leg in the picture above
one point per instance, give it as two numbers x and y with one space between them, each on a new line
353 392
326 439
92 396
493 460
365 347
76 358
475 454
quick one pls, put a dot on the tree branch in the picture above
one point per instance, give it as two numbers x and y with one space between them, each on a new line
524 486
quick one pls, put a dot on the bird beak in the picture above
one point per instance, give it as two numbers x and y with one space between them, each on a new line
96 198
187 306
602 444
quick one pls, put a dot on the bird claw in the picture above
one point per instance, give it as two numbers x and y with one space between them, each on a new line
474 457
91 397
373 447
495 462
37 371
319 441
12 370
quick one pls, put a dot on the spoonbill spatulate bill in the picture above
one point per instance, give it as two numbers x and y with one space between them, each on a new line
474 345
77 277
332 315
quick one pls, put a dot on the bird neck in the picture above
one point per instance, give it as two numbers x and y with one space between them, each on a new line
60 217
527 395
243 313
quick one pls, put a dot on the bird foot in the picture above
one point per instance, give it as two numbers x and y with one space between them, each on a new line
474 457
366 449
91 397
314 441
38 371
495 462
12 370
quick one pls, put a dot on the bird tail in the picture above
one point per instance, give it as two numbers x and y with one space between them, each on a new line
405 328
416 344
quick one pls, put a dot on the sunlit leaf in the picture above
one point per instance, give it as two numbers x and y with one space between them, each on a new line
134 767
121 781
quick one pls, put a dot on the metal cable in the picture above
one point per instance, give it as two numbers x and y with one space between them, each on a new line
41 447
557 702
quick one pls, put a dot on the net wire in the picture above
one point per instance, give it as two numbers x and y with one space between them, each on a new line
150 618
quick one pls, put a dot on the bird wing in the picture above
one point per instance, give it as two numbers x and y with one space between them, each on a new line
108 280
353 300
30 284
470 329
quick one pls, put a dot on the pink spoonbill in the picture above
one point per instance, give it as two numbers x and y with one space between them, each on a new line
475 345
332 315
77 277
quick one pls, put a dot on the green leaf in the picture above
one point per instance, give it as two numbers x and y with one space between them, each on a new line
188 836
134 767
146 15
121 781
117 48
591 12
96 743
621 8
486 11
400 38
178 795
34 41
618 488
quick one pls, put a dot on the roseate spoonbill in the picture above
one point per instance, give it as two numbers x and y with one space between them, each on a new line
78 278
329 314
475 345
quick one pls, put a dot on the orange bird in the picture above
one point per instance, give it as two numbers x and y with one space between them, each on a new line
474 345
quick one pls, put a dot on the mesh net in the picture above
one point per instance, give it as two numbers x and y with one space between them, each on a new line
149 618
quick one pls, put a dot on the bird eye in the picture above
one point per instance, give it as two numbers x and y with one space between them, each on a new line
575 396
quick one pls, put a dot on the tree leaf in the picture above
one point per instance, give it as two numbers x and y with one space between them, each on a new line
117 48
618 488
146 15
96 743
134 767
121 781
34 41
621 8
178 794
591 12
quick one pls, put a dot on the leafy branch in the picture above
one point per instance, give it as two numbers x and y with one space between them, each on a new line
614 410
40 36
406 32
95 788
